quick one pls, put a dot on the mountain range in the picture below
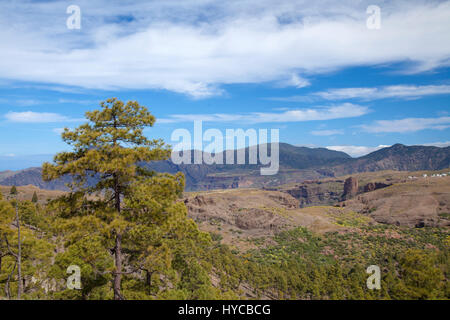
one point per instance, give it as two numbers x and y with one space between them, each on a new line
296 164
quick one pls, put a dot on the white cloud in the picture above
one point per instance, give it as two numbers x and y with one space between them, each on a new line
407 125
194 47
346 110
76 101
34 102
37 117
327 132
295 81
438 144
397 91
357 151
374 93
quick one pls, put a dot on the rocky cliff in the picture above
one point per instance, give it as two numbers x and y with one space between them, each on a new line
350 188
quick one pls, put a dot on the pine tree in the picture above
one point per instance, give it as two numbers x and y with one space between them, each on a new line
34 199
13 191
162 240
108 148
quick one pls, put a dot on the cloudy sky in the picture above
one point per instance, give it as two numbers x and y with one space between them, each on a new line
322 72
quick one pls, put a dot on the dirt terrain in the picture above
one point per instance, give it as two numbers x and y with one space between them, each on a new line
416 203
241 216
244 216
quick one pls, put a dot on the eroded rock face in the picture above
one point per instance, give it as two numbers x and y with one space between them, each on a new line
246 210
309 195
350 188
288 202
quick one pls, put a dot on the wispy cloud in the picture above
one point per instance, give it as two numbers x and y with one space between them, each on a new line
438 144
77 101
357 151
194 47
294 81
327 132
26 102
407 125
346 110
372 93
397 91
38 117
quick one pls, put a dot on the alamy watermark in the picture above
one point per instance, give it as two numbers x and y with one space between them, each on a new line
373 22
257 147
74 20
74 280
374 281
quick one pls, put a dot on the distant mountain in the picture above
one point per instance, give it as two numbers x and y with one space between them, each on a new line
33 176
296 164
399 157
202 176
6 174
305 158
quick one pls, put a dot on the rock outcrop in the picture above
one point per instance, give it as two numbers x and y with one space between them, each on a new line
309 195
350 188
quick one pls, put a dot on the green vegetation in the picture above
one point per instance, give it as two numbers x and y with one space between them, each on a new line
131 238
303 265
444 215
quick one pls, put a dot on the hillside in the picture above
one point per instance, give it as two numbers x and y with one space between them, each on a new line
399 157
388 197
416 203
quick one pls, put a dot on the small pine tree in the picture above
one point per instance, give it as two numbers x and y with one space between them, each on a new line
13 191
35 198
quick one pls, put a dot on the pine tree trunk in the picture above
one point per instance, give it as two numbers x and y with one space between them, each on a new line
19 257
118 246
116 193
148 280
118 273
7 287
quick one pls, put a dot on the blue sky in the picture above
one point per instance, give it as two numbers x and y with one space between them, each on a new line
314 71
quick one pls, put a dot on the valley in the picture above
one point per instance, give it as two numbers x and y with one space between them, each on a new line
386 197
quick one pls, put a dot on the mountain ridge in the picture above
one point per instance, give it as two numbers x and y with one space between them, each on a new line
296 164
